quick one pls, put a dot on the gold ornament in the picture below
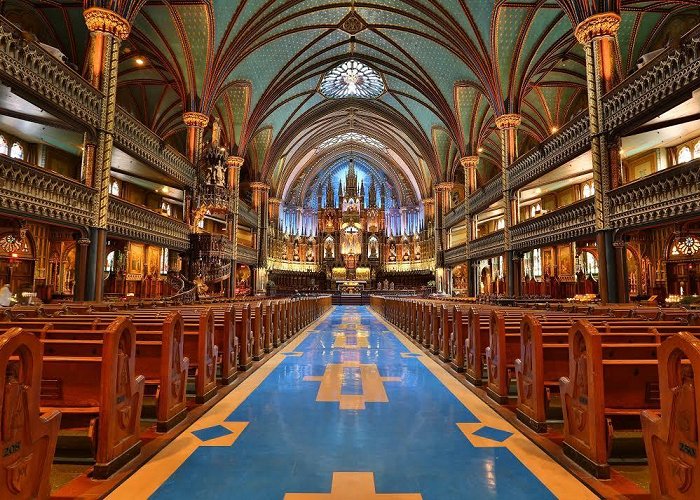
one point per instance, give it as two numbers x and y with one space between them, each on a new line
510 120
107 21
195 119
601 25
234 162
469 162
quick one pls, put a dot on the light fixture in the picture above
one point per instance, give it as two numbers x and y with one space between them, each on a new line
554 129
140 61
165 190
480 150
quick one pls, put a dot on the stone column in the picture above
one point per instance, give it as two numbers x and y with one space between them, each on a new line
234 164
107 30
260 195
598 36
442 201
196 123
469 163
87 164
507 125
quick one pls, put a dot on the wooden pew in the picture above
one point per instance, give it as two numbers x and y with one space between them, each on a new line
458 338
671 435
94 385
595 403
28 436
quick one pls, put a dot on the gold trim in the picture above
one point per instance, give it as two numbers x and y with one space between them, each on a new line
259 185
605 24
195 119
469 162
107 21
234 161
444 186
510 120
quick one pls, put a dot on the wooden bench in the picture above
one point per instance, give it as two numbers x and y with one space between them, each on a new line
671 434
28 435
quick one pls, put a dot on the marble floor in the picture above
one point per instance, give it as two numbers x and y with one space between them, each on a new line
351 410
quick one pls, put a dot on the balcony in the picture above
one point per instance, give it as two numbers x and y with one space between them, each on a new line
456 255
33 191
659 197
656 87
487 195
571 141
247 255
567 223
487 246
139 223
247 216
455 216
47 82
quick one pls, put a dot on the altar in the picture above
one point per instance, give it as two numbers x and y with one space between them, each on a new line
351 286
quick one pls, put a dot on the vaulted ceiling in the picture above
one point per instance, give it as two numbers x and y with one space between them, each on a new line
450 67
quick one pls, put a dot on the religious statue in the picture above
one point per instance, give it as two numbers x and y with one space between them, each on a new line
328 249
309 253
296 251
373 249
392 251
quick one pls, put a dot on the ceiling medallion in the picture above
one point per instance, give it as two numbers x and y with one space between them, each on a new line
352 24
352 79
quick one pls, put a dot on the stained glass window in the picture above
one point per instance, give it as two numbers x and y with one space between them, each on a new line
684 155
352 137
687 245
3 145
537 262
696 150
586 190
164 259
114 188
17 151
352 79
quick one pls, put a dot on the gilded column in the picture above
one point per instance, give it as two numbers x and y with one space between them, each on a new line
107 30
196 123
598 36
234 164
469 163
507 125
260 195
442 202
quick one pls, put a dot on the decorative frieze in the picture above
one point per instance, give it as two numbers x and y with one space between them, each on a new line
138 223
488 246
661 197
34 192
568 223
456 255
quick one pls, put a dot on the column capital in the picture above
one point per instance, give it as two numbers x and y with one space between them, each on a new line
274 201
259 186
444 186
107 21
195 119
83 242
234 162
509 120
428 201
469 162
605 24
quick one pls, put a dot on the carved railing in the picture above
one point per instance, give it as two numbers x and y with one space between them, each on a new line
670 193
411 266
27 65
139 223
456 255
648 91
567 223
135 138
210 246
486 195
247 255
218 274
212 195
572 140
487 246
247 216
34 191
455 216
29 68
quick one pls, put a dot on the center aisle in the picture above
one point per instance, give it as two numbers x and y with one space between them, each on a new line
352 410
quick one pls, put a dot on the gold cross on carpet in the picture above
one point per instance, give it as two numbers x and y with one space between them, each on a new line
361 339
363 381
353 486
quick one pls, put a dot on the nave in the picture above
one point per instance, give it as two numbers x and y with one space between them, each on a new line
351 409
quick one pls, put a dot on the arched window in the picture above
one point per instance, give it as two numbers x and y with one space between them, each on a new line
3 146
538 208
501 224
114 188
200 224
109 262
696 150
591 264
17 151
586 190
533 211
537 262
684 155
164 259
166 208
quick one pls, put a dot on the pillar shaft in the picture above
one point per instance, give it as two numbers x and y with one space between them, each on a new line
234 164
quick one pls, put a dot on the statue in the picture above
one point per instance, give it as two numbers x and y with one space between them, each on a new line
392 252
373 249
328 249
296 251
309 253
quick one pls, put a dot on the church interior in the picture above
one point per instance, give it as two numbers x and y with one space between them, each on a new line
391 249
